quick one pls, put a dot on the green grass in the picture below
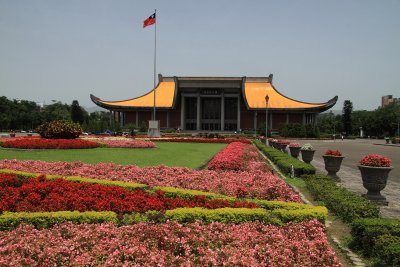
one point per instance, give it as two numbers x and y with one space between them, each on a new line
191 155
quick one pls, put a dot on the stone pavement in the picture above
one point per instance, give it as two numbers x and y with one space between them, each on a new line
349 174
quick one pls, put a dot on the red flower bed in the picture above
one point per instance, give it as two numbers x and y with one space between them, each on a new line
41 194
375 160
38 143
230 158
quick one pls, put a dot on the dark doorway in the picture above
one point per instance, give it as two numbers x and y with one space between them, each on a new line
211 114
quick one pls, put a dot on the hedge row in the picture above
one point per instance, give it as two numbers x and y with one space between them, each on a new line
285 161
379 239
11 220
345 204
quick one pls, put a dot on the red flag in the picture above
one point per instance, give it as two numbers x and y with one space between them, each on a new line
149 21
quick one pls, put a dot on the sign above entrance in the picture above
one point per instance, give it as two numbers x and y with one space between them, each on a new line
210 92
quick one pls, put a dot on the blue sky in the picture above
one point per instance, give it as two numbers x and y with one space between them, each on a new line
66 50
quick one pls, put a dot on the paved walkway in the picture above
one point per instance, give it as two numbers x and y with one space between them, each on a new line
349 174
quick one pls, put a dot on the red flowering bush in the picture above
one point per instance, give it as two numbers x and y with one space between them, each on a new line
230 158
41 194
258 183
127 143
283 142
59 130
375 160
331 152
39 143
169 244
294 145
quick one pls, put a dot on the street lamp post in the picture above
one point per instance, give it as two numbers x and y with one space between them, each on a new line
266 118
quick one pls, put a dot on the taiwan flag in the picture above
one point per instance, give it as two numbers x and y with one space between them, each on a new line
149 21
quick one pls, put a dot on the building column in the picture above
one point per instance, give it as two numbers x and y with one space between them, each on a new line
255 121
287 118
122 119
182 112
198 125
238 114
222 112
137 118
304 118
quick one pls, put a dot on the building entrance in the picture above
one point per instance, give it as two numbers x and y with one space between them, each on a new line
211 114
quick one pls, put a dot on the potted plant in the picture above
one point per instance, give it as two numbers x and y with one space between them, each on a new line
307 153
333 160
283 144
294 149
12 134
274 143
374 170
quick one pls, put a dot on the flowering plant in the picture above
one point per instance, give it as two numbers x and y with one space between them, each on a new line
284 142
41 143
307 147
331 152
294 145
375 160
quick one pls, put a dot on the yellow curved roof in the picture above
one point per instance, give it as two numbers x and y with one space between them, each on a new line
165 92
255 93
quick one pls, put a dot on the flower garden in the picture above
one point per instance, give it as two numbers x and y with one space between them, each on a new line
234 212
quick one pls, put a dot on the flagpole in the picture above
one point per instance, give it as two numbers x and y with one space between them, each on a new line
155 62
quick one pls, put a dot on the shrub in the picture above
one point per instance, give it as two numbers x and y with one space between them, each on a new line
11 220
300 215
225 215
375 160
387 250
365 232
331 152
341 202
284 161
59 130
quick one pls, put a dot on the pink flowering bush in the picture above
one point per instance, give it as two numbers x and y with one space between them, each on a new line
257 183
283 142
294 145
331 152
230 158
199 140
375 160
127 143
169 244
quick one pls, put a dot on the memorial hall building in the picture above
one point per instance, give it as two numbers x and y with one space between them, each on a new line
214 104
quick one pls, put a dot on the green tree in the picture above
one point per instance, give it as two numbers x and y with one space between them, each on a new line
77 112
346 117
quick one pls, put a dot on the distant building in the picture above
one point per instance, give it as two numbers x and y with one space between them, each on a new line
214 104
388 99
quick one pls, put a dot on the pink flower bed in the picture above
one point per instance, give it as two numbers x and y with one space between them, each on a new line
127 143
169 244
198 140
230 158
253 184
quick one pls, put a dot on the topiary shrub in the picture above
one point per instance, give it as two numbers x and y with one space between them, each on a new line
59 130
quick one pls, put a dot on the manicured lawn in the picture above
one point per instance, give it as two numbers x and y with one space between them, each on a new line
192 155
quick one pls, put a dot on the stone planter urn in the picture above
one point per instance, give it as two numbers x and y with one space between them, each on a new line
307 155
283 147
294 151
332 165
12 134
374 180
